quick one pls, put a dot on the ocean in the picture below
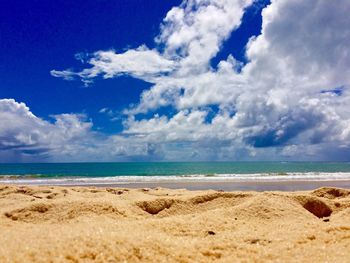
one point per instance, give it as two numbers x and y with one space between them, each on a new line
140 172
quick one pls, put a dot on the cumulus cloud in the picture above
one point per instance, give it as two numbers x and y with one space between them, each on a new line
289 101
193 32
30 137
67 137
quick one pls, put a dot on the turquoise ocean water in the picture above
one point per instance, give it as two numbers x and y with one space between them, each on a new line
166 169
99 173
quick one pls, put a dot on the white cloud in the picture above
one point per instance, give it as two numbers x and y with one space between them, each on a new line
303 43
194 32
140 63
28 136
272 106
68 137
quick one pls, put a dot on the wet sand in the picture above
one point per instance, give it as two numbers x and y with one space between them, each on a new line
98 224
268 185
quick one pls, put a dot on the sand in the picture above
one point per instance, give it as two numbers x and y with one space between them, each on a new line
86 224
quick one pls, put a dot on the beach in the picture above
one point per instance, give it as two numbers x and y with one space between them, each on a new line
104 224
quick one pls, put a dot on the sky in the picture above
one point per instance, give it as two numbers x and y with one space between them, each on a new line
175 80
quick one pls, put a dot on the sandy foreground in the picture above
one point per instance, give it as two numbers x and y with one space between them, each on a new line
86 224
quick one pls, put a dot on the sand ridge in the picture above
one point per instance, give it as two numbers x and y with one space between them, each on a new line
86 224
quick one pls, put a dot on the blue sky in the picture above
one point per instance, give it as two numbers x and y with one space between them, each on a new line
168 80
37 36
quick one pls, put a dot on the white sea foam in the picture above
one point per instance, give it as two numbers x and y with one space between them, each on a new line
258 177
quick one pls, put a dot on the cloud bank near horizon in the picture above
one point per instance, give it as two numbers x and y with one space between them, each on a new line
288 102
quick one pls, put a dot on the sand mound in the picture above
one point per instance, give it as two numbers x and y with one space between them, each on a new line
331 192
266 207
61 212
342 216
155 206
186 204
212 196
